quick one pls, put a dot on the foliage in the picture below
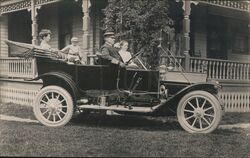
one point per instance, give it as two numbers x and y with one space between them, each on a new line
140 22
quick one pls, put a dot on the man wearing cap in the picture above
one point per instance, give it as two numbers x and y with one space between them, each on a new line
109 54
73 51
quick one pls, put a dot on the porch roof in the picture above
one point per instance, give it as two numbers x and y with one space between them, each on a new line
7 6
237 5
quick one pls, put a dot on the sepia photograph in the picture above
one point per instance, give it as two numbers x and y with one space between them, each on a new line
125 78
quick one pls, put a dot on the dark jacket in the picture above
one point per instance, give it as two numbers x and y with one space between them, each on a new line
109 55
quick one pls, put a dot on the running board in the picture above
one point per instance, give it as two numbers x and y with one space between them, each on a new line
117 108
122 108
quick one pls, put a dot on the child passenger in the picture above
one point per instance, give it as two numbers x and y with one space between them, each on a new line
73 51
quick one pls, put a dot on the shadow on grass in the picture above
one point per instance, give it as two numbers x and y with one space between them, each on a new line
233 118
21 111
226 132
138 123
127 122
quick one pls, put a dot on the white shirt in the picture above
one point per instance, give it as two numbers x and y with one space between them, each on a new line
45 45
72 50
126 56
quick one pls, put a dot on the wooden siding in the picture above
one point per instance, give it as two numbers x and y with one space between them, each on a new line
200 31
94 32
48 19
200 22
239 57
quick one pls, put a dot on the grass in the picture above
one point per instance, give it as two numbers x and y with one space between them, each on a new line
112 136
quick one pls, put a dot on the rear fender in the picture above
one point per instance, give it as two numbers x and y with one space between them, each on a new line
61 79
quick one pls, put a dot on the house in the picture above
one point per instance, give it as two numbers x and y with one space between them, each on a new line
220 38
215 34
80 18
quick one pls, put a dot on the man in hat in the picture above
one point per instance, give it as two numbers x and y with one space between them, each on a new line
109 54
73 51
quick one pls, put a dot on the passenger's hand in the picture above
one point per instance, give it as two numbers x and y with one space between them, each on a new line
59 55
71 59
122 64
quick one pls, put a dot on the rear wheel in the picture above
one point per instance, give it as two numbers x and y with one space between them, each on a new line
199 112
53 106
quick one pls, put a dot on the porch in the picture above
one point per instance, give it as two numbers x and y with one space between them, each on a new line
233 76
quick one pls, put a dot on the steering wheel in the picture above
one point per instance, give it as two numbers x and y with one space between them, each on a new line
135 56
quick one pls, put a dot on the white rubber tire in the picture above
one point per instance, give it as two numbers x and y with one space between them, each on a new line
47 105
187 111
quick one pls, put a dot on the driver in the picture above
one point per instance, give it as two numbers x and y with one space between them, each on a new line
109 54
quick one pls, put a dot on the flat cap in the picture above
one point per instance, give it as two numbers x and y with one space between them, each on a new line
74 39
106 34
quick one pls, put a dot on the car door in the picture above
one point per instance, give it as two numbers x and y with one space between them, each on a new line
96 77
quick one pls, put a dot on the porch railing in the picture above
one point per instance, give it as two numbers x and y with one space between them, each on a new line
176 62
215 69
17 68
221 69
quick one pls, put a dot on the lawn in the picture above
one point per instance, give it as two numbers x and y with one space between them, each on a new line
118 136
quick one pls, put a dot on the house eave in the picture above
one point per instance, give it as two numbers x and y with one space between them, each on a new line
243 6
17 5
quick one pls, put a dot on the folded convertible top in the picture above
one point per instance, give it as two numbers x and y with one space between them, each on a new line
18 49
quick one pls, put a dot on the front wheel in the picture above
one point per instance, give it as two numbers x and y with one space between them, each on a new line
199 112
53 106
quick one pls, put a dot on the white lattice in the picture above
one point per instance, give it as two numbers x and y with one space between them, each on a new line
17 96
236 101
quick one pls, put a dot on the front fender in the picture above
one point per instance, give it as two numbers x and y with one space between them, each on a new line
173 101
209 87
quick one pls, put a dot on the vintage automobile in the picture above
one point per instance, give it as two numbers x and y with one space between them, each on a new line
69 88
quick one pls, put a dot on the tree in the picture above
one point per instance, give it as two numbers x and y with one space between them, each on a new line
140 22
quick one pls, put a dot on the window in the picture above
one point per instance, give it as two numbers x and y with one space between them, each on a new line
240 36
241 44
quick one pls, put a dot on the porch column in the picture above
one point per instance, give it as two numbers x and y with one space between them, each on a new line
4 33
34 23
85 28
248 31
186 31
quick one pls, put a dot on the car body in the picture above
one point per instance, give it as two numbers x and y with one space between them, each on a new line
68 88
